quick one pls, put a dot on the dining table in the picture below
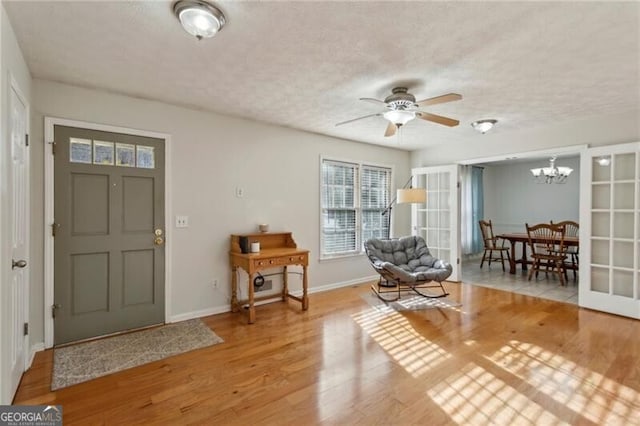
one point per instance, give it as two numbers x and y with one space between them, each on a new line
522 237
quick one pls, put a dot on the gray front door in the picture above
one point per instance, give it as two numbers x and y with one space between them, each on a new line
109 233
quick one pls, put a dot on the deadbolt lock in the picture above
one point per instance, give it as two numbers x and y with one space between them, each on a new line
158 232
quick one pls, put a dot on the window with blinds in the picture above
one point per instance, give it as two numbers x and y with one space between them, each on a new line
374 195
353 198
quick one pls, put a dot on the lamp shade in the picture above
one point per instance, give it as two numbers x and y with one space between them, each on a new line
411 195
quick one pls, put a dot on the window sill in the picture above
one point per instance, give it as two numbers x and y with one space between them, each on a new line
341 257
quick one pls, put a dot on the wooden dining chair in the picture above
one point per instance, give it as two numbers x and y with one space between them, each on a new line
492 244
571 229
546 242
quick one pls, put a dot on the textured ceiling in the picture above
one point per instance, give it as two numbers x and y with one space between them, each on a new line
305 64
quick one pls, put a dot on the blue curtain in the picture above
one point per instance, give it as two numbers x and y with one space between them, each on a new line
471 209
477 208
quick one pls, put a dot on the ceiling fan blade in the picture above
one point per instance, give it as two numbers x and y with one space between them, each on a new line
440 99
359 118
438 119
391 130
375 101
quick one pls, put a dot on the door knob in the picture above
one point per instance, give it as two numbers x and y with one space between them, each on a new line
158 241
18 264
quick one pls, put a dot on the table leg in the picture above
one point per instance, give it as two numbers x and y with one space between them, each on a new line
252 309
234 288
305 298
524 256
285 284
512 259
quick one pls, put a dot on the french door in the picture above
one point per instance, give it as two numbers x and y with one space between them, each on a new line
610 229
438 219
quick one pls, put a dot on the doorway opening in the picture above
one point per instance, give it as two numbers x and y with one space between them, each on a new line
90 150
511 199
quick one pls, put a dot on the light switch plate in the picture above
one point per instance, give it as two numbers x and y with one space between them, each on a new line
182 221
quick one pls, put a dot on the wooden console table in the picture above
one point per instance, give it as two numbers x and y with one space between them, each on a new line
276 250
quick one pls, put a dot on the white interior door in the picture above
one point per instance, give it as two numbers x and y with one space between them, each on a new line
610 230
438 220
19 220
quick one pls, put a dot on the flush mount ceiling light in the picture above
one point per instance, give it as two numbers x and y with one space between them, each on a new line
483 126
199 18
551 174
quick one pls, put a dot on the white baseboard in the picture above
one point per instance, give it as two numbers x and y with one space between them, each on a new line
199 314
37 347
340 284
222 309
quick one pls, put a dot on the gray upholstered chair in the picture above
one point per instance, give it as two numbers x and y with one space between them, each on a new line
405 264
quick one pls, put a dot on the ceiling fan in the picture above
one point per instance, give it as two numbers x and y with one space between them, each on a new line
402 108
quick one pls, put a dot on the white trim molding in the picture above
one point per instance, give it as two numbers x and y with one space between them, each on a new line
49 123
276 298
563 150
35 348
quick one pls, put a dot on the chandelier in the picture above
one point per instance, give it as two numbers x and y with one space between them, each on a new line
551 174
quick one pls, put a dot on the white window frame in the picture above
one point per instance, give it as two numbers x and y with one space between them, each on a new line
359 251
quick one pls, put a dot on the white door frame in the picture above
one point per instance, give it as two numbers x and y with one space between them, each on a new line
49 123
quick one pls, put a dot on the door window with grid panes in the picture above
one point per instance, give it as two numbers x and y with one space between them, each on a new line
353 197
610 213
438 219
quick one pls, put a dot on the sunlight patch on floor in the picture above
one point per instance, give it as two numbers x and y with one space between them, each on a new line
396 336
592 395
475 396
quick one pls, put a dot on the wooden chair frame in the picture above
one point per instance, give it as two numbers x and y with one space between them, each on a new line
572 229
546 242
491 245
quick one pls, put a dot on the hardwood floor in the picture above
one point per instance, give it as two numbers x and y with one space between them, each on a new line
500 358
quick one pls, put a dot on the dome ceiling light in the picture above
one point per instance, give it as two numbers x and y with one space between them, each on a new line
483 126
199 18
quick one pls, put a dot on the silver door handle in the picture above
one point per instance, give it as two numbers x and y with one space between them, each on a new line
18 264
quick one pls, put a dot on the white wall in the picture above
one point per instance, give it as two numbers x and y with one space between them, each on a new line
212 154
600 130
11 61
512 198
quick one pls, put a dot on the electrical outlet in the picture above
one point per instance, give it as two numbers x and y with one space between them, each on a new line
215 283
182 221
239 192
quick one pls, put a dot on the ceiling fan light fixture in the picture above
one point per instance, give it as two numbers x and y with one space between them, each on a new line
483 126
399 117
199 18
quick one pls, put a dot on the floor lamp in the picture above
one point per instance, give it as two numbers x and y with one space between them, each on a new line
407 194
